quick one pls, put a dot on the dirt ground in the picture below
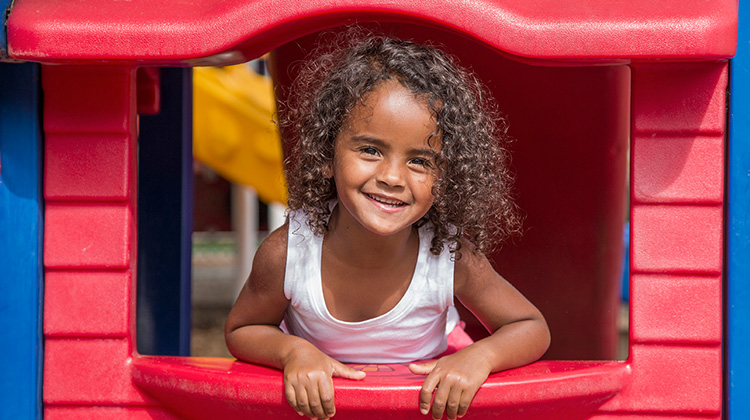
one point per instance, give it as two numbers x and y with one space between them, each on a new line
207 338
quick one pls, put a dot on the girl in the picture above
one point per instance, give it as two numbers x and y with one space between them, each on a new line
397 187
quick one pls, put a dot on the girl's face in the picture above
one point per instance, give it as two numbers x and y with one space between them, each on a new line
383 165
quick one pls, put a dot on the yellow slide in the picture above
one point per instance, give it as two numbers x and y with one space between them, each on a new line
233 128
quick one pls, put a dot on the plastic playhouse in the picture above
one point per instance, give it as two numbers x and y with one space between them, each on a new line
603 97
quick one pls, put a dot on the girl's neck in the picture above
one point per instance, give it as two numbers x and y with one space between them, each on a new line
348 240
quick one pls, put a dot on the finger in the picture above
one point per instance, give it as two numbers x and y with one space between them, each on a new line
302 401
440 399
422 368
291 397
463 405
454 400
327 397
343 371
314 400
425 394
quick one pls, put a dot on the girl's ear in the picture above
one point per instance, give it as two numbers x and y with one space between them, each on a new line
328 170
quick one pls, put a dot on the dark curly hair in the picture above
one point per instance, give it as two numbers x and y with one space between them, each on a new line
473 192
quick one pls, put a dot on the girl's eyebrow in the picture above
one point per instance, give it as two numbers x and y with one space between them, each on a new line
359 139
362 138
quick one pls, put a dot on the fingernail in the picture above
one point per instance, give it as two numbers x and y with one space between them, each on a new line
424 411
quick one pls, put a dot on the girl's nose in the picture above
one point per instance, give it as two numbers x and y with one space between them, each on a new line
391 174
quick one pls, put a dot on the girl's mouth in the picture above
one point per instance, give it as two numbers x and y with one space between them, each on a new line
386 201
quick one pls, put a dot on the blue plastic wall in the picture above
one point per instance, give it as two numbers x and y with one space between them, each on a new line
738 228
21 222
4 6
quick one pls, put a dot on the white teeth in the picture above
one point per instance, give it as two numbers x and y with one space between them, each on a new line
394 203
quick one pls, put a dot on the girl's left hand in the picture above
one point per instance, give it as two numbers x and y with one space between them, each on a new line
454 379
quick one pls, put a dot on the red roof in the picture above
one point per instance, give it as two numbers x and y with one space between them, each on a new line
185 32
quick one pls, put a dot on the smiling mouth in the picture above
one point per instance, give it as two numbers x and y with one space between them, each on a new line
386 201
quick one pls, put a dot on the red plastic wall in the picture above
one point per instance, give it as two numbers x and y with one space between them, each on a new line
89 244
676 259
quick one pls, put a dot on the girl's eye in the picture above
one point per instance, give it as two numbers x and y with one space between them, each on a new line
368 150
422 162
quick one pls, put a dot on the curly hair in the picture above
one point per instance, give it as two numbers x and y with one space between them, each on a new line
473 197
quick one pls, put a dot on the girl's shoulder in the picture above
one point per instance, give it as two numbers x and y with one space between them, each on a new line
269 262
275 243
472 267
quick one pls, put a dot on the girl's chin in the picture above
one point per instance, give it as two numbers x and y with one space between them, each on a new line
386 230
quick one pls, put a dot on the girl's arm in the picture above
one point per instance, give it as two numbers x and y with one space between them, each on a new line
520 336
253 335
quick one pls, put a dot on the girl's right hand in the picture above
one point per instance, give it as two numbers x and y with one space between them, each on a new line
308 382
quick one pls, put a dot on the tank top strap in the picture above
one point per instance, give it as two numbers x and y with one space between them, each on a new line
440 268
303 256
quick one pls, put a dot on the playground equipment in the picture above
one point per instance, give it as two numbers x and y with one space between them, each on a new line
577 81
234 132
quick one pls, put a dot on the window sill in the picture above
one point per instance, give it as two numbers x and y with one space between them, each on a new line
195 387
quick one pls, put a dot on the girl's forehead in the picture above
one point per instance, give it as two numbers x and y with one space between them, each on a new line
393 114
390 97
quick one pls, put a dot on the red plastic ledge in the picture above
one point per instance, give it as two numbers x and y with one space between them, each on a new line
196 388
216 32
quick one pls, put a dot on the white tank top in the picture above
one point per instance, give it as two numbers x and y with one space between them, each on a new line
415 329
